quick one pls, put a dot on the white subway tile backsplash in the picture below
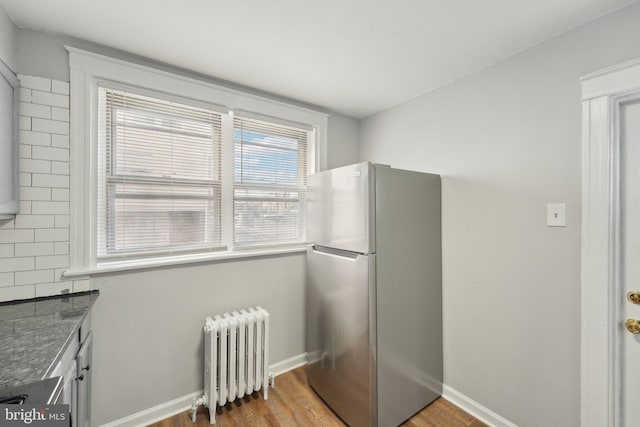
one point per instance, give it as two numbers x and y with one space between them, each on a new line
50 208
34 138
50 153
25 94
82 285
33 82
58 274
55 288
35 193
42 208
52 261
33 277
60 141
34 249
59 168
53 181
16 236
24 151
6 224
24 123
48 98
25 179
61 248
35 221
24 207
50 126
60 194
38 166
6 279
11 293
6 250
60 87
52 235
35 110
62 221
16 264
61 114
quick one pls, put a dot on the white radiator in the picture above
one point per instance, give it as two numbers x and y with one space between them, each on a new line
236 358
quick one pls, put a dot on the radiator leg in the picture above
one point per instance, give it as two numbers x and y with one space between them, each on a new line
197 401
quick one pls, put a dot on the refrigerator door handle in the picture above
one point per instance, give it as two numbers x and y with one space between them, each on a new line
323 250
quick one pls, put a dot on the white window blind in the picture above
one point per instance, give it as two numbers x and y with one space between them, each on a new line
269 182
159 186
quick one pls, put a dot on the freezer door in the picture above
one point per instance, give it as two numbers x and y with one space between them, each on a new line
340 332
340 208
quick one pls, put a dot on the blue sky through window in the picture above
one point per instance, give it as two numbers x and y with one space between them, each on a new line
262 158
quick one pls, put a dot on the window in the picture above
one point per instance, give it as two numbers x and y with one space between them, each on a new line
160 185
159 175
270 177
171 169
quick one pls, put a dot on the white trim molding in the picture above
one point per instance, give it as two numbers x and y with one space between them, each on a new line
88 71
287 365
180 404
600 371
474 408
183 403
156 413
622 78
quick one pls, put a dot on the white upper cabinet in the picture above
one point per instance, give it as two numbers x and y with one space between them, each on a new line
8 143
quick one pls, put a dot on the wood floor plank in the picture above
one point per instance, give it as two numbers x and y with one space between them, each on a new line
293 403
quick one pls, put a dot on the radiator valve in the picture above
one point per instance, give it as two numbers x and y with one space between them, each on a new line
272 380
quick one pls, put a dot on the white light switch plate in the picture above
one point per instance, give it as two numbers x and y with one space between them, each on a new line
556 215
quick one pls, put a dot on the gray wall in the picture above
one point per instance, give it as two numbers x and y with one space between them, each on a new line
344 148
148 346
7 39
148 324
507 140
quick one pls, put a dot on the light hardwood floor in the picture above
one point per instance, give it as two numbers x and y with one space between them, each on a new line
293 403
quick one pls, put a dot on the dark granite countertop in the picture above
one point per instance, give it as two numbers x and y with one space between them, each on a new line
34 334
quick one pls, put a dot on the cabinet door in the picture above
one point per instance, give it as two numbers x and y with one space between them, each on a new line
8 143
69 390
83 383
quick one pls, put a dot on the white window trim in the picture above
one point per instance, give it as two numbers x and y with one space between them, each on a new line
87 70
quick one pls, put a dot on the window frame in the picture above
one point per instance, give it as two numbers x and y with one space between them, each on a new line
88 71
108 174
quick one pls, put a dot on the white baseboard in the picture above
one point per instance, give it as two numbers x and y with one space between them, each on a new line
175 406
157 413
479 411
289 364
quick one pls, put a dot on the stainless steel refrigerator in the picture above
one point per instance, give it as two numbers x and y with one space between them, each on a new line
374 292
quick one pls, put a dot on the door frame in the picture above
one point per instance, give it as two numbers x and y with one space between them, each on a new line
601 333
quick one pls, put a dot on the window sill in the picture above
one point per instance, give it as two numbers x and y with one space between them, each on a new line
143 264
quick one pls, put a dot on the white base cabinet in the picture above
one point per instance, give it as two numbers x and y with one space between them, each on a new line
83 383
75 369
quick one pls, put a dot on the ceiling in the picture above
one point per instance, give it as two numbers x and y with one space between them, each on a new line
355 57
